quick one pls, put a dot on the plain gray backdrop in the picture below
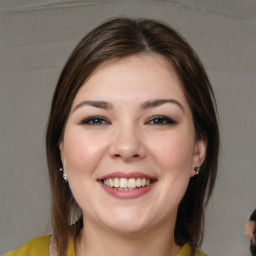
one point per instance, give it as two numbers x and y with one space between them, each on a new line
36 37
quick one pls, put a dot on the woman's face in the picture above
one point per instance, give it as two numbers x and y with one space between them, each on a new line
129 145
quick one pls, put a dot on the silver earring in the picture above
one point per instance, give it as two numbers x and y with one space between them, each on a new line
197 170
64 174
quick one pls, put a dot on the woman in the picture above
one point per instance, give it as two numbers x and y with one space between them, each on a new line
133 131
250 232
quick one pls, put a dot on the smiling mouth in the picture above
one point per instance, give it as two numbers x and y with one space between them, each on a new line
127 184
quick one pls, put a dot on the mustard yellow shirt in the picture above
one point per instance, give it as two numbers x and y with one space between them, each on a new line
40 247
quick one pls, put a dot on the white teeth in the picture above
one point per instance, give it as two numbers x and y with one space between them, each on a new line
138 182
131 183
116 182
123 183
126 184
110 183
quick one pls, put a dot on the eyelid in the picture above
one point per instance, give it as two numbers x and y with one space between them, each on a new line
164 119
91 119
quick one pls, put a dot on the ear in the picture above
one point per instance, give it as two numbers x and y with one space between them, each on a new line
199 154
61 147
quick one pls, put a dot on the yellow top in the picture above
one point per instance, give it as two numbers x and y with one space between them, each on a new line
40 247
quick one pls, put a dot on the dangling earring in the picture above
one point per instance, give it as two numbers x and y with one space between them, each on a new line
197 170
64 174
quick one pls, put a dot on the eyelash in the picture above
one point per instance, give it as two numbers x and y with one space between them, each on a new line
155 120
161 120
95 120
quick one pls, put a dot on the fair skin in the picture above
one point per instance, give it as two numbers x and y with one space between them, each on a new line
249 228
130 121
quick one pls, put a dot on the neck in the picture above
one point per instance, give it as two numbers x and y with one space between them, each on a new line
97 241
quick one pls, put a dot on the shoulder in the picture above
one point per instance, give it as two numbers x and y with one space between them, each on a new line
35 247
186 251
199 253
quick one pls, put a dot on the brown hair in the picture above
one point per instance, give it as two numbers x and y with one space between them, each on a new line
115 39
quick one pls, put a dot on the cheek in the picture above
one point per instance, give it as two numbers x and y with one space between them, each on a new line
174 158
175 155
174 152
81 152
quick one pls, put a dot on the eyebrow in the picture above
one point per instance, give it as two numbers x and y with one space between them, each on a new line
96 104
159 102
146 105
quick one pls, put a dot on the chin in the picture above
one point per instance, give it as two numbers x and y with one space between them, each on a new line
127 223
125 228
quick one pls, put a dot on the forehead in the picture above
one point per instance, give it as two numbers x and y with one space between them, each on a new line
137 76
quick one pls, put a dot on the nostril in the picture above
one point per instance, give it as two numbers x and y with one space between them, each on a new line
122 155
128 148
127 156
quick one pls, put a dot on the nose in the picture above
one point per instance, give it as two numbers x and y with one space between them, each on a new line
127 144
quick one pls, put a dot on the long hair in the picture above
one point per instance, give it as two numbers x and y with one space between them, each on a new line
115 39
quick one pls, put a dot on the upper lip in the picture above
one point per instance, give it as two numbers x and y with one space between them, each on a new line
127 175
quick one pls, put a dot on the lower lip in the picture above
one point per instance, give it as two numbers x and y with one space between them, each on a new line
127 194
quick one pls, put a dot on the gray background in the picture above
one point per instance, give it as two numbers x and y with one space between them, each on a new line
36 37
